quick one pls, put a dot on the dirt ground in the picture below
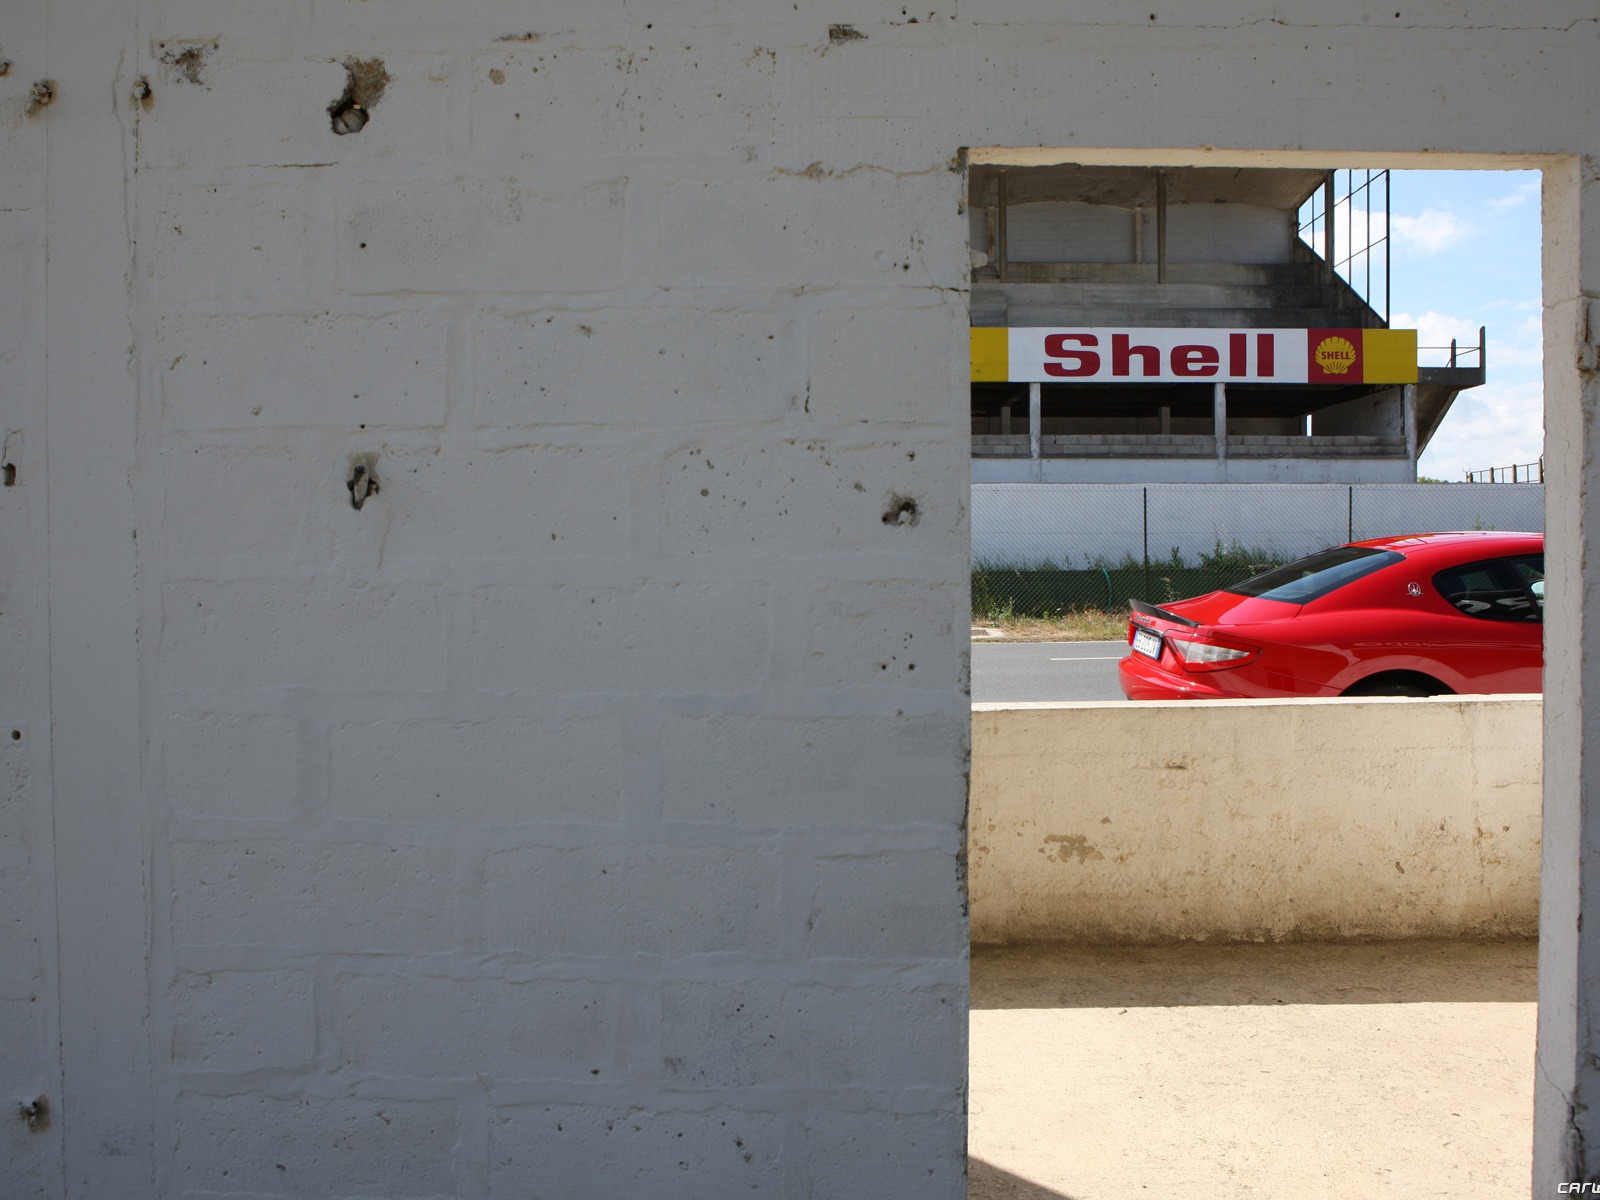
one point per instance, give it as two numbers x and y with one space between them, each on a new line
1263 1071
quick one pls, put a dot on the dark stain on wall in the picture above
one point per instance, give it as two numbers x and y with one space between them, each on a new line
186 60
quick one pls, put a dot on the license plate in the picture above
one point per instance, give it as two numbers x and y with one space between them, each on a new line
1147 643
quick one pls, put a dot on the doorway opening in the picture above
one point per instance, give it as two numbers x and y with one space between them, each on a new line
1152 832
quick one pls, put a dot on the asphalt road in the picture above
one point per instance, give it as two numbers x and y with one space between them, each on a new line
1046 670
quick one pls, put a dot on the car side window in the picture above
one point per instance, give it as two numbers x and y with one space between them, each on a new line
1502 589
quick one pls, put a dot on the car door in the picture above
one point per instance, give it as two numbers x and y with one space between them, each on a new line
1495 640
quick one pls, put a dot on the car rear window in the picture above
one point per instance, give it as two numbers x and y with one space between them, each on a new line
1316 575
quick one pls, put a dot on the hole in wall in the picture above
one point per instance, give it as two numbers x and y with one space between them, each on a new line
351 118
901 510
35 1114
41 96
362 482
365 82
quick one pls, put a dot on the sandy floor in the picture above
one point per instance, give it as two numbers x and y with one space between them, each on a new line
1214 1072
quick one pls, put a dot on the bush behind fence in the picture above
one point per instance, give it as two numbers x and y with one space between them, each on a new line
1044 549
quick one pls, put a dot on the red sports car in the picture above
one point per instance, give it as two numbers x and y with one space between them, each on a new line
1425 615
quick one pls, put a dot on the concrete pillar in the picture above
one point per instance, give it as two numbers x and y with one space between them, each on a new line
1327 221
1035 421
1219 423
1567 1076
1002 248
1161 226
1408 417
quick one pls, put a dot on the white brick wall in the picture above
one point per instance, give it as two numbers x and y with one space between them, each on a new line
330 895
237 1021
248 371
259 1144
309 814
599 1150
571 1031
30 1063
665 901
569 769
633 365
860 772
480 236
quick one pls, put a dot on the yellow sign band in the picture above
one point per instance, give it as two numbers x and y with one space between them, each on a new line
991 355
1389 355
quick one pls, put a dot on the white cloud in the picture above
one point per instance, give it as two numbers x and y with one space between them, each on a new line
1500 423
1516 346
1433 231
1434 333
1516 198
1491 426
1353 226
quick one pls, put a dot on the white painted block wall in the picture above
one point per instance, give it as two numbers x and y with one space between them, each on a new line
555 884
581 815
571 817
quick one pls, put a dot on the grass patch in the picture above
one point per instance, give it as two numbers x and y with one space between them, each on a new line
1057 590
1087 626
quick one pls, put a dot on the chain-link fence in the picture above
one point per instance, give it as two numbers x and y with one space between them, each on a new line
1044 549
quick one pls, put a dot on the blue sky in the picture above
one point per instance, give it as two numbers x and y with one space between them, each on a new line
1466 253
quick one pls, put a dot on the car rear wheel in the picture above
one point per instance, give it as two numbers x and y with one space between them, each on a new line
1396 687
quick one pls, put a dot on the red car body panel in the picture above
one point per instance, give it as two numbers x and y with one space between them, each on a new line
1392 620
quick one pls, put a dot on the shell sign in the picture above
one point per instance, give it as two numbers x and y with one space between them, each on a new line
1104 355
1334 355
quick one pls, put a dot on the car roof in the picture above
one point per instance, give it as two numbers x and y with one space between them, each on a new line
1475 541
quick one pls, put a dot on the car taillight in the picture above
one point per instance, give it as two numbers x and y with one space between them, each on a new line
1209 656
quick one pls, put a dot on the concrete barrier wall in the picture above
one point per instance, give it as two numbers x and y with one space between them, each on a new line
1255 820
1075 524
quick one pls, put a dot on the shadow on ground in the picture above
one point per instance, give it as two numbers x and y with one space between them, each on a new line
1197 974
988 1182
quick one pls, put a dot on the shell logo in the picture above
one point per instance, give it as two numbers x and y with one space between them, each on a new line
1334 355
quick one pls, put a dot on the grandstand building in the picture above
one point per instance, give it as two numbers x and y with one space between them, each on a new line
1135 324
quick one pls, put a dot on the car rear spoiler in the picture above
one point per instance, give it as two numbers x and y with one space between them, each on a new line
1150 610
